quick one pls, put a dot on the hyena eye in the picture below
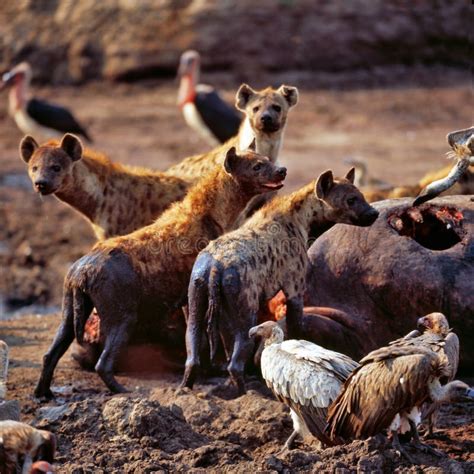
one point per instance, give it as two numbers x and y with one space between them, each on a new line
56 168
277 108
257 167
35 168
256 108
351 201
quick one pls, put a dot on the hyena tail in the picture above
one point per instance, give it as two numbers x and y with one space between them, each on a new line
212 315
81 307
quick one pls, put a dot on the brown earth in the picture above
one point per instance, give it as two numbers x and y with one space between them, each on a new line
155 429
398 127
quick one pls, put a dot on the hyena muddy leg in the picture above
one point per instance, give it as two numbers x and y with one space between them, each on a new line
294 313
62 340
243 347
115 340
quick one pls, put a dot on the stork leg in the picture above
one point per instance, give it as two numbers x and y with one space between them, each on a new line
398 448
418 444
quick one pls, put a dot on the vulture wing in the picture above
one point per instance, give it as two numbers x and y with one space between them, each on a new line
56 117
220 118
451 348
307 378
381 388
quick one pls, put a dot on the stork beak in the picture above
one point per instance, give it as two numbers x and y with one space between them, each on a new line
6 79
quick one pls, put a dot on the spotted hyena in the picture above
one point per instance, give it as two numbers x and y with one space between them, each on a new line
147 272
114 198
237 273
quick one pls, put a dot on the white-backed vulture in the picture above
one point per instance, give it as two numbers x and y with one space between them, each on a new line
19 440
304 376
389 388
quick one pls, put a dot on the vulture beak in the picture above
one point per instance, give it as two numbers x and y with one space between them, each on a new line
470 393
253 332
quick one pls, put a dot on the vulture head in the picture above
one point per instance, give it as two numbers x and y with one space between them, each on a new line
435 323
269 331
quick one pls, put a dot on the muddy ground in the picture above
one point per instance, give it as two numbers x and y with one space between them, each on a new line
398 125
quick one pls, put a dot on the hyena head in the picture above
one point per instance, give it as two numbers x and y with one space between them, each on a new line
255 173
50 165
344 203
266 109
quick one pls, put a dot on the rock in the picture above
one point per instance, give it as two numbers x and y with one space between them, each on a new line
76 41
9 410
384 277
52 414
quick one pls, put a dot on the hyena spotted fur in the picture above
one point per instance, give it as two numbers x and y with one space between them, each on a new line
240 271
141 277
114 198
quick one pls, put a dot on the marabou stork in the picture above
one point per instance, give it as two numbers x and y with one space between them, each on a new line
203 108
34 116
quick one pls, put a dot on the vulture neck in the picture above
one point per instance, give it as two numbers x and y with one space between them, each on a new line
276 337
438 392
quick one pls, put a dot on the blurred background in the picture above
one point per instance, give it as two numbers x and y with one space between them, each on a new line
382 81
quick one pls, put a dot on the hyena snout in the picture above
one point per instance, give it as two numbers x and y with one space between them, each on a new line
281 172
43 186
368 217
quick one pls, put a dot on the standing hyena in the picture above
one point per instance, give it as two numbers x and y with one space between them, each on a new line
134 278
243 269
114 198
266 113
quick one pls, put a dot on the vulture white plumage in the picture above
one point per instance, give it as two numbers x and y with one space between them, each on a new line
389 388
304 376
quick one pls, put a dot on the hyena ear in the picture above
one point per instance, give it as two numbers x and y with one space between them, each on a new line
324 184
253 145
72 146
244 94
27 147
231 159
350 176
290 93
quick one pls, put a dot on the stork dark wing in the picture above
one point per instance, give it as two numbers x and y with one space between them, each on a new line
55 117
220 118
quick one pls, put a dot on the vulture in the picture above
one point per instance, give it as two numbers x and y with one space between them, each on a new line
462 143
392 383
19 441
34 116
304 376
203 108
432 326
